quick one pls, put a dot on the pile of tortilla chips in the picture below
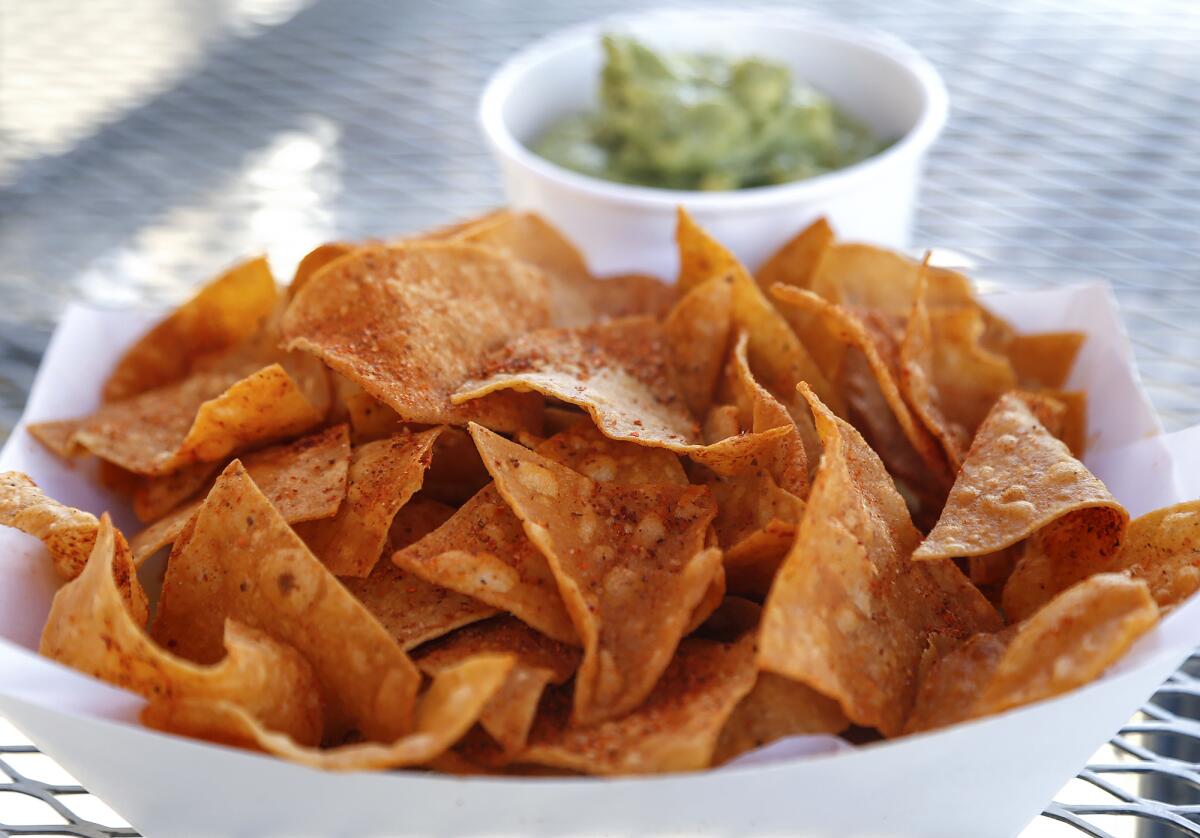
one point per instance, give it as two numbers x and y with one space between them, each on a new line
453 503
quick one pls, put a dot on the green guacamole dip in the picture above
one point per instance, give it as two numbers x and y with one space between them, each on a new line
704 122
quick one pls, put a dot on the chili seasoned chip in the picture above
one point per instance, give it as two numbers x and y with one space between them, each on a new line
697 333
443 714
776 707
1067 643
1163 548
226 311
91 629
69 535
305 480
273 583
1045 361
1018 482
408 322
539 661
675 729
383 475
796 262
629 561
849 588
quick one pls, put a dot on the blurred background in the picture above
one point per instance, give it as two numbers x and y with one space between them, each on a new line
146 144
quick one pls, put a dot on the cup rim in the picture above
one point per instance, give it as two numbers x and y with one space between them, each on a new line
913 143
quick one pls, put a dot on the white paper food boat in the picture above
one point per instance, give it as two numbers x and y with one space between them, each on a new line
984 778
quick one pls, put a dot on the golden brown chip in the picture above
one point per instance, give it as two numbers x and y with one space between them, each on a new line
90 628
412 610
582 448
862 276
1163 548
629 561
539 661
456 473
202 418
1067 643
417 519
1045 361
154 497
483 552
697 332
369 418
775 708
383 475
1019 482
305 480
883 359
314 260
443 714
849 613
1071 425
675 729
224 312
777 355
796 262
69 535
407 323
271 581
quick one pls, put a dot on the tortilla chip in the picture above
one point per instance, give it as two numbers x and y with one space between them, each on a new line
1045 361
369 418
776 353
273 583
58 436
90 629
154 497
1069 642
582 448
752 562
796 262
412 610
1071 423
224 312
69 535
314 260
675 729
456 473
539 661
629 561
862 276
697 332
1018 482
721 422
202 418
882 357
849 613
408 323
443 714
417 519
305 480
775 708
383 475
1163 549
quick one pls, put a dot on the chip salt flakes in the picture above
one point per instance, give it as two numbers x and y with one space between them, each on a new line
1067 643
69 535
776 353
270 581
409 322
412 609
1019 481
305 480
539 661
629 561
1163 548
226 311
775 708
675 729
698 330
796 262
883 360
90 629
204 417
443 714
849 588
384 474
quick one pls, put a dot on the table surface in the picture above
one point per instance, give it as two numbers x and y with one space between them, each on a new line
145 144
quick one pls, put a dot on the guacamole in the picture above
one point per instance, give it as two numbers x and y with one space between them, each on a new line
701 121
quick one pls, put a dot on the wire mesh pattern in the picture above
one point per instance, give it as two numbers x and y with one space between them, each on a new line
146 144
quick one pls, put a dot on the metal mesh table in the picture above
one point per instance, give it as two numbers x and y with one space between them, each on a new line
145 144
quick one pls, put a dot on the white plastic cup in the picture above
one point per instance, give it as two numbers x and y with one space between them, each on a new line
622 228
